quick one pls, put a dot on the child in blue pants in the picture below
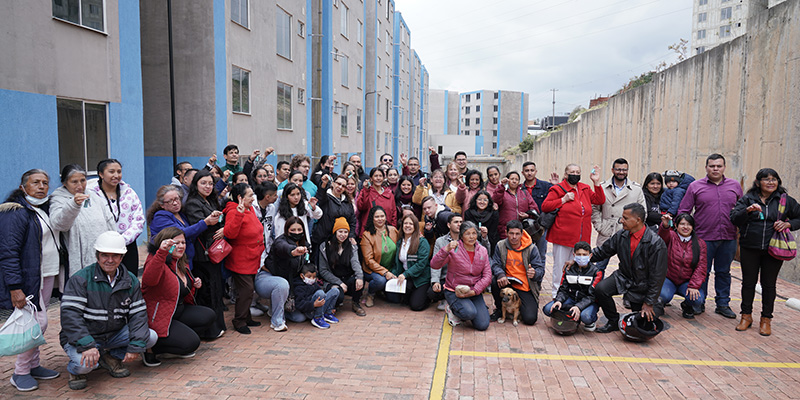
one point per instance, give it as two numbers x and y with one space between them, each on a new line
576 293
311 302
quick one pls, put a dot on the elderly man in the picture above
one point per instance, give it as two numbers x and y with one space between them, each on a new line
103 315
642 268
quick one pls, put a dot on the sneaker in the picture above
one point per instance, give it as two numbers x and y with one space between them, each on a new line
497 314
255 312
24 383
330 318
253 323
726 312
114 366
168 356
440 307
43 373
687 311
150 360
590 327
451 316
359 310
221 332
369 300
281 328
320 323
610 326
77 382
244 330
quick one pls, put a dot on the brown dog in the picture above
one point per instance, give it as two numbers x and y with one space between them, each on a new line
510 305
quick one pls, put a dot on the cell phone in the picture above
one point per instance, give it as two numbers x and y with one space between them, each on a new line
86 203
592 170
171 249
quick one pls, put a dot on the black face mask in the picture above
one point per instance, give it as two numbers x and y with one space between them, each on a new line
296 236
573 179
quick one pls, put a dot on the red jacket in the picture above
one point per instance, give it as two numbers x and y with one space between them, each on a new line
574 221
510 205
369 197
245 234
160 289
679 259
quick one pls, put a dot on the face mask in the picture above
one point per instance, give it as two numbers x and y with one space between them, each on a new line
582 260
36 202
309 281
573 179
296 236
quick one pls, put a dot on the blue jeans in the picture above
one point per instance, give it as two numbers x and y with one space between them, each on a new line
117 346
376 282
588 314
469 309
277 290
720 255
670 289
330 303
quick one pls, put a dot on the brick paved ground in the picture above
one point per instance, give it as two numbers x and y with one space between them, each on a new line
391 354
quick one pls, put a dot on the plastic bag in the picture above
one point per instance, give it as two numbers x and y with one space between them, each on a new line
21 332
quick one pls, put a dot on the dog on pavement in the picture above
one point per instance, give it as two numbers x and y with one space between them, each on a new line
510 305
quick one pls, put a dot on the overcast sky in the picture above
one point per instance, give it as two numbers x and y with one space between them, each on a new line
583 48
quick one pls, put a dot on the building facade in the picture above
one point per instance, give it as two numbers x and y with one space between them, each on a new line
719 21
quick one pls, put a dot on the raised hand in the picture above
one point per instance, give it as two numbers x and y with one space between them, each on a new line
80 198
240 208
595 176
554 179
255 154
166 244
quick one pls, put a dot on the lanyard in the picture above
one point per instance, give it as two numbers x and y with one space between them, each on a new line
110 207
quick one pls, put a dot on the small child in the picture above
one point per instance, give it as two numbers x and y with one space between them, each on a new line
313 302
676 183
576 293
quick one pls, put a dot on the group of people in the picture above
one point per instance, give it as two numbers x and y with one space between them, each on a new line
304 239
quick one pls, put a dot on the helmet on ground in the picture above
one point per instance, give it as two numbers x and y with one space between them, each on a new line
562 323
110 242
636 328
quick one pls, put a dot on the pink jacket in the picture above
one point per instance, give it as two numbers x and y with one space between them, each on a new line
679 259
460 271
510 205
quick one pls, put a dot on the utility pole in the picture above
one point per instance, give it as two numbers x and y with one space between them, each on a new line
553 118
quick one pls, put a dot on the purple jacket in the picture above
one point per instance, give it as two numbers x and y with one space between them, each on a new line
712 206
477 274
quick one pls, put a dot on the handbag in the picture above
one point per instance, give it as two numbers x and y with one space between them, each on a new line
782 245
546 220
218 250
21 332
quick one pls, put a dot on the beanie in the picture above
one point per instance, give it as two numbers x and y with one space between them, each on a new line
340 223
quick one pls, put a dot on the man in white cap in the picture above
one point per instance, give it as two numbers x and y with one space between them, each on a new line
103 315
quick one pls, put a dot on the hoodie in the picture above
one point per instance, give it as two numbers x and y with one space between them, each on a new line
671 198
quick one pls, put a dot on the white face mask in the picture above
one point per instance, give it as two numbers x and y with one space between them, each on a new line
582 260
33 200
309 281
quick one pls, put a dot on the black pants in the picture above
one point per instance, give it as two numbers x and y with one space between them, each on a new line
244 284
753 262
529 302
131 258
188 323
210 294
416 297
604 292
436 296
351 290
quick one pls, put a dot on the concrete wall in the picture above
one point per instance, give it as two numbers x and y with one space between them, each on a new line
740 99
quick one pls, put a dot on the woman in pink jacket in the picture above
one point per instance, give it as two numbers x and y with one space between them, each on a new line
686 260
468 274
375 194
513 202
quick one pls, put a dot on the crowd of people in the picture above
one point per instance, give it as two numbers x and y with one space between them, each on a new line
295 241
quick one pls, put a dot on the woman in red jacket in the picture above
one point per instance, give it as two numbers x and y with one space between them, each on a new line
375 194
168 289
686 260
513 202
573 223
245 234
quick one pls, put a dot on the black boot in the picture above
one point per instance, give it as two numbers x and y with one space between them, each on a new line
610 326
688 310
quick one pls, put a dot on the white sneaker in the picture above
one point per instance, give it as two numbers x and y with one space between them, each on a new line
590 327
451 316
281 328
441 305
256 312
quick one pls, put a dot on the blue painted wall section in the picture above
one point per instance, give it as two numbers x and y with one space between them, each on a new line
399 24
479 138
422 145
220 76
309 90
326 143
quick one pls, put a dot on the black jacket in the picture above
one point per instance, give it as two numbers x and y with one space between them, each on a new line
639 278
304 294
332 208
755 233
578 284
281 262
20 251
197 209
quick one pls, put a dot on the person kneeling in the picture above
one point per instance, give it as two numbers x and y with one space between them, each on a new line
168 289
339 266
516 263
411 265
576 292
103 315
311 302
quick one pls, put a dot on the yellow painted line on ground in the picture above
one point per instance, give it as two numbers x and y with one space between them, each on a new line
632 360
440 372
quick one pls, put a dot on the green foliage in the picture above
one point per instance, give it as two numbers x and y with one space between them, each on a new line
576 112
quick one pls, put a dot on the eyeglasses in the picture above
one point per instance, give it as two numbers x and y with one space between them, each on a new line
176 200
769 180
621 169
387 160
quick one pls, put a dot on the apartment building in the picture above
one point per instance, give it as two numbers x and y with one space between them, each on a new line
719 21
378 137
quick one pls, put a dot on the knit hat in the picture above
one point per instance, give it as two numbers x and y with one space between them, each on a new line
672 175
340 223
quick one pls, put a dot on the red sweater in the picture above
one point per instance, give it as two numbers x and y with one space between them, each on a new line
369 197
574 221
245 234
679 259
160 289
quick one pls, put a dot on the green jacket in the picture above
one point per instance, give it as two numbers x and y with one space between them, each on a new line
419 270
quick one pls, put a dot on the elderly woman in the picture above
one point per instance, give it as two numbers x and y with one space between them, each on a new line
29 265
468 274
81 215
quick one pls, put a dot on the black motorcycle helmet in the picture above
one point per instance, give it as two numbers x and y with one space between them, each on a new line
562 323
636 328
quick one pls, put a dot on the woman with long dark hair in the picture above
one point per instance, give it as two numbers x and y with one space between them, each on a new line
513 201
293 204
411 263
404 195
339 266
686 261
375 194
378 246
653 188
481 212
765 209
287 255
473 182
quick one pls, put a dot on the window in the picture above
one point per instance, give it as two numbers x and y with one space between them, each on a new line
360 37
477 108
343 117
701 49
495 108
466 110
239 13
477 121
301 29
240 90
702 2
701 34
494 120
358 120
88 13
301 96
387 109
82 133
344 64
388 76
283 35
725 13
724 31
379 30
466 122
388 43
494 145
466 133
477 133
702 17
343 26
284 106
379 104
494 133
477 96
360 74
467 98
496 95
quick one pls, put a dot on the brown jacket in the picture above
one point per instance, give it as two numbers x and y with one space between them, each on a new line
371 249
449 199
